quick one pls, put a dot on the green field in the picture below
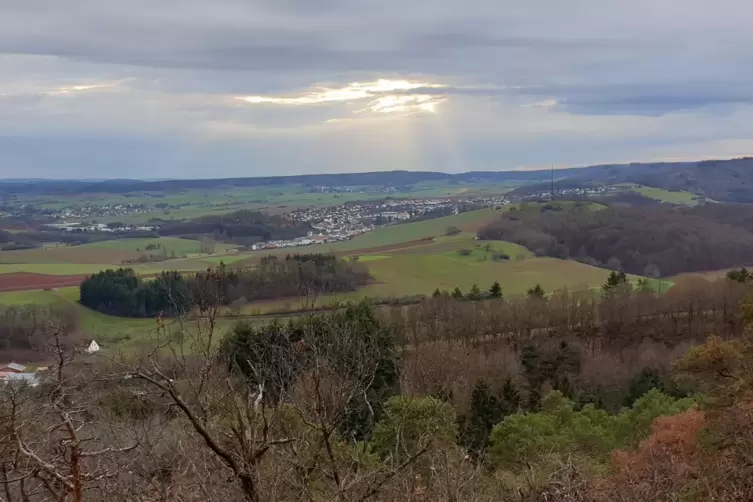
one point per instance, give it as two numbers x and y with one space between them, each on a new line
226 259
406 232
114 334
669 196
180 247
421 274
90 258
492 250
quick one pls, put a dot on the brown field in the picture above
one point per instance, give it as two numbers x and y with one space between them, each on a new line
22 281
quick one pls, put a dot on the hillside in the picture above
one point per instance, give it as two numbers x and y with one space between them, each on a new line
656 240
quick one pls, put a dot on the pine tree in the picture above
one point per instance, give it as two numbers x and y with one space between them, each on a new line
614 281
485 412
510 400
496 290
537 292
436 293
742 276
457 294
534 399
474 293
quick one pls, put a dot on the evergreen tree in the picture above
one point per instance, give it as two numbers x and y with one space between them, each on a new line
510 399
485 412
644 286
496 290
614 281
457 294
534 399
537 292
436 293
530 360
742 276
474 293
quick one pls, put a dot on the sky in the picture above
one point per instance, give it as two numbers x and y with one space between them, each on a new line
195 89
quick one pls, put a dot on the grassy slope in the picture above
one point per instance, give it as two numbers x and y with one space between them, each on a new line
105 329
67 255
396 234
681 198
103 253
180 246
421 274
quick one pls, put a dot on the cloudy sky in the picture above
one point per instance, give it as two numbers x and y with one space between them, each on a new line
193 88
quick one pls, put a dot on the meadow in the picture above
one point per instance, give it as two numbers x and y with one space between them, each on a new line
61 260
171 245
668 196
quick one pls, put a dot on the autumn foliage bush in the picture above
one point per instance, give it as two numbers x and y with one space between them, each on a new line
662 468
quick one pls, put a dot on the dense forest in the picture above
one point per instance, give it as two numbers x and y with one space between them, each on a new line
651 240
123 293
628 396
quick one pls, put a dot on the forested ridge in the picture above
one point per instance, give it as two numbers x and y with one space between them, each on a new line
650 240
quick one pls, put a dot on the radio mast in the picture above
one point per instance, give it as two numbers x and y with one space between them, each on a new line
551 189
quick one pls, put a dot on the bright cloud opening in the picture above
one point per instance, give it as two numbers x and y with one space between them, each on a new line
74 89
385 96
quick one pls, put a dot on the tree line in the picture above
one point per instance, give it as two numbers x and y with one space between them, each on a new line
123 293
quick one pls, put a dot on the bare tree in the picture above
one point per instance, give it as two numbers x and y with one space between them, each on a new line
52 449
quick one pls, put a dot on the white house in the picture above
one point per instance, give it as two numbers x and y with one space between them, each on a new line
93 347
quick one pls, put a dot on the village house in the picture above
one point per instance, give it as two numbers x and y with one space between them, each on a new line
12 368
17 373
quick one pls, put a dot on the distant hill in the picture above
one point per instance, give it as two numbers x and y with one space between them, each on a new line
721 180
651 240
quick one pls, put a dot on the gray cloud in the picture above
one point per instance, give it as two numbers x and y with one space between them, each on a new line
524 83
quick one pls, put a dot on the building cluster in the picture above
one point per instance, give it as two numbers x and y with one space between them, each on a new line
345 221
99 227
313 238
100 211
564 193
346 189
14 372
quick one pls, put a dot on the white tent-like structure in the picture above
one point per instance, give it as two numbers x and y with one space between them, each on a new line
93 347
